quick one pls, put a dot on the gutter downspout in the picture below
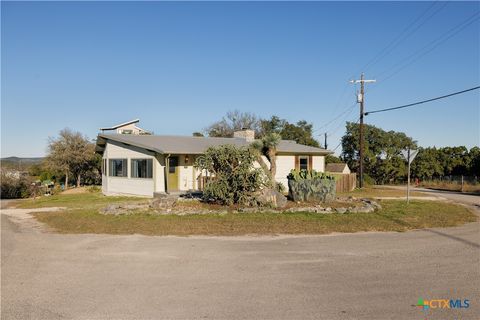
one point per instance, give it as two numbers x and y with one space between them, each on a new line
167 167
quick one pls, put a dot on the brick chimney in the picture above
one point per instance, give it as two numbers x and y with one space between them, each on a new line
247 134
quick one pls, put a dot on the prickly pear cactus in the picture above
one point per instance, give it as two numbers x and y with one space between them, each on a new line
311 186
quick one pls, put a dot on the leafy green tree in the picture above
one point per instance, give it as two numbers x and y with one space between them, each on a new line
474 161
427 164
382 159
330 158
235 180
301 132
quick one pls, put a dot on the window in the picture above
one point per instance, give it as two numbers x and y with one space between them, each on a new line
303 163
172 164
118 168
142 168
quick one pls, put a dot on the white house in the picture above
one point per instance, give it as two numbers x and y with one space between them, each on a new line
136 164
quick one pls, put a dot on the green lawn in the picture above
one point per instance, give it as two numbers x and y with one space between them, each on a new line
395 216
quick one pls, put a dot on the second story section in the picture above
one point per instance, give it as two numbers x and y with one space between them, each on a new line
129 127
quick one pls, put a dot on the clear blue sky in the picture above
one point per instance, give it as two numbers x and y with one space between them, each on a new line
180 66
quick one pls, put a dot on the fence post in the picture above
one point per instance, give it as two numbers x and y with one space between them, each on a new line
461 190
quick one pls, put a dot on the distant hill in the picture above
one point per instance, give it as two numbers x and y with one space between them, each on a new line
22 160
18 163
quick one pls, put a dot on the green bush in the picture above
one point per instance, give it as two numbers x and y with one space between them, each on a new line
235 180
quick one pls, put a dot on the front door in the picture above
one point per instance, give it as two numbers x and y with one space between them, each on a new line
173 174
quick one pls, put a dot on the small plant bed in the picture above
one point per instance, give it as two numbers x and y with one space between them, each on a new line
394 216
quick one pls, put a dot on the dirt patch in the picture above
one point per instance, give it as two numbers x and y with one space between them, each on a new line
76 190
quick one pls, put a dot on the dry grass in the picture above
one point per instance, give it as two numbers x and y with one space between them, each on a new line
451 186
89 200
380 191
395 216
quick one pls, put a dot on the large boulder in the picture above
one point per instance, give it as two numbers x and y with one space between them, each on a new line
272 198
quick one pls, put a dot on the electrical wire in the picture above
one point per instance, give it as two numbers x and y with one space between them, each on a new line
424 101
340 143
404 35
428 48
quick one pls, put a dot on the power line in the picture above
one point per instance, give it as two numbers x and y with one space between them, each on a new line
424 101
338 145
428 48
350 108
404 35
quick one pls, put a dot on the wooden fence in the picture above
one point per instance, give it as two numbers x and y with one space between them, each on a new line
346 182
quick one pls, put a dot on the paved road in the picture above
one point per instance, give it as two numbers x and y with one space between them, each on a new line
354 276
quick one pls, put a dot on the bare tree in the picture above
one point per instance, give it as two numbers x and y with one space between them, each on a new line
70 153
234 121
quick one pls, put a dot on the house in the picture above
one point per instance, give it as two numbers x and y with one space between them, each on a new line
341 168
136 164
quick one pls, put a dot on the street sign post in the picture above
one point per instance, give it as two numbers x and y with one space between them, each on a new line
409 155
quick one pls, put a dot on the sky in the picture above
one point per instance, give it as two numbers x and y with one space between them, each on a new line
180 66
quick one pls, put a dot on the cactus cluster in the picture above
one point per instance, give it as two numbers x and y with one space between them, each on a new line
298 175
311 186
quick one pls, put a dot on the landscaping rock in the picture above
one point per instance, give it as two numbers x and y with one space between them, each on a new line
166 202
120 209
341 210
273 198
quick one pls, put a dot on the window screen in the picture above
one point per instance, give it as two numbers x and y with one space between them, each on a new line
118 168
141 168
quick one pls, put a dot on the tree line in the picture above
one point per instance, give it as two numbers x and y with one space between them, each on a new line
383 162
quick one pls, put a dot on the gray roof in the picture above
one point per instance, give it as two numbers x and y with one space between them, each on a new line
195 145
335 167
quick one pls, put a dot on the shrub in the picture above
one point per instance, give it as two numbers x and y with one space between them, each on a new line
14 188
235 180
94 189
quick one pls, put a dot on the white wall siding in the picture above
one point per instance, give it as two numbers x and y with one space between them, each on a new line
318 163
159 173
124 185
285 163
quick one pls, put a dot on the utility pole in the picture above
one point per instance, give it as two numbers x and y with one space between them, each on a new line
326 146
361 101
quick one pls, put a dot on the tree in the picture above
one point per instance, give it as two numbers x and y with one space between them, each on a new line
301 132
268 147
72 154
234 121
382 160
330 158
235 180
474 161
